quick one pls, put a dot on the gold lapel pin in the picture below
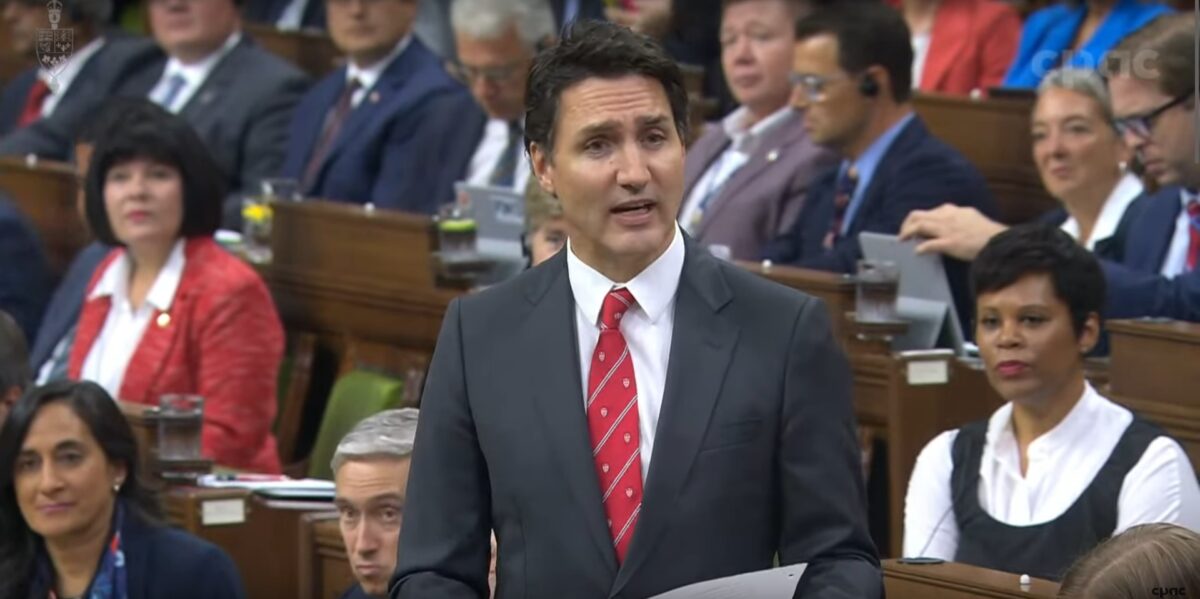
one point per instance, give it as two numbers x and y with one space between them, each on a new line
374 97
163 320
773 155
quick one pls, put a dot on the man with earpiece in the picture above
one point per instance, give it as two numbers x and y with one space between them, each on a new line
852 72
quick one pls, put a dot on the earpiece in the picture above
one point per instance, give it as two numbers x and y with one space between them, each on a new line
868 87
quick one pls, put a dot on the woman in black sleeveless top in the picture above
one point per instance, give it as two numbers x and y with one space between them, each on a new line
1058 468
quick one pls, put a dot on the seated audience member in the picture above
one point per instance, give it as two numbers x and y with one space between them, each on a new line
546 230
746 177
1154 273
1135 563
52 347
495 41
14 364
853 68
1076 33
370 470
961 46
25 279
238 97
77 515
170 311
368 132
94 66
1058 468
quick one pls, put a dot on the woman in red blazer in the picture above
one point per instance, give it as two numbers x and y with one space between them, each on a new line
970 43
168 310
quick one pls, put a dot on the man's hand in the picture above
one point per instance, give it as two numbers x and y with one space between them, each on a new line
952 230
649 17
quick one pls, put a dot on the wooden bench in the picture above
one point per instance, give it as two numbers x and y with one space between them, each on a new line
46 193
959 581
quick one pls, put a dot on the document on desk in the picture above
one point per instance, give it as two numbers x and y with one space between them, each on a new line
776 583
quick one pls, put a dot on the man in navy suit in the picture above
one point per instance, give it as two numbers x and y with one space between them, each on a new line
853 72
369 132
24 273
1157 273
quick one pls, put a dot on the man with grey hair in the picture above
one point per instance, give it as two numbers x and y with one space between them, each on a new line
370 471
496 41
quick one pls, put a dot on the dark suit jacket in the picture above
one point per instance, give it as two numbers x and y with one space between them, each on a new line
389 149
918 172
464 130
755 454
761 200
54 137
1135 289
241 111
355 592
25 278
63 311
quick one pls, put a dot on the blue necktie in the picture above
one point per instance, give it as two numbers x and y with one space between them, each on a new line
175 85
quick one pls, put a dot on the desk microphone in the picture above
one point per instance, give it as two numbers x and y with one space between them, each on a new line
918 560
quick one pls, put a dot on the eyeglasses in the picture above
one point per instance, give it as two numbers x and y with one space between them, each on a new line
1141 125
813 86
497 74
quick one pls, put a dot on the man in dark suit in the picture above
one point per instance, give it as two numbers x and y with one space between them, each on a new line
24 273
369 132
42 109
632 415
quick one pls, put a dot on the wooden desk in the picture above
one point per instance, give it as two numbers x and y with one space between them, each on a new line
995 136
312 51
959 581
46 193
325 571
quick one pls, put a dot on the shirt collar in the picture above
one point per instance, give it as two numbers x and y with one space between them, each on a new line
1186 196
869 160
60 81
742 138
1073 429
114 282
1127 190
367 76
197 72
653 288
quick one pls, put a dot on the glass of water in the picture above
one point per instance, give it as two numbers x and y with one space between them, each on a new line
258 215
180 421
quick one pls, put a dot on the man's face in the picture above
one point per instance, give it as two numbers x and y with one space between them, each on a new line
370 500
22 19
192 29
756 53
496 71
617 167
1167 150
835 111
367 30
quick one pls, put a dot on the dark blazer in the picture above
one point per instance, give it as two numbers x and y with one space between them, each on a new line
389 149
54 137
355 592
464 129
241 111
756 453
25 278
1110 248
63 311
761 200
1135 289
918 172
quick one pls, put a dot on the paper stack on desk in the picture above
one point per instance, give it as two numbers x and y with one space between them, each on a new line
776 583
269 485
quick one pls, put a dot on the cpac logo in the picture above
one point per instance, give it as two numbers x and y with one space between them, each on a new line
1169 592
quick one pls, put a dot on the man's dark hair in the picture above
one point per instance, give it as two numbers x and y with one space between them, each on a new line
596 49
868 34
14 355
1042 249
157 135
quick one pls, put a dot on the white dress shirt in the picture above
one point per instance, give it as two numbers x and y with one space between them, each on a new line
920 44
109 356
1177 252
194 75
369 75
60 81
1161 487
743 142
647 327
487 156
1127 190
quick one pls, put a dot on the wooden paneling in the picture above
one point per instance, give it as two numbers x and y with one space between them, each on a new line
959 581
46 193
11 64
311 51
325 571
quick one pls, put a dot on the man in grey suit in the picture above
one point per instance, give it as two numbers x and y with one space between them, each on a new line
747 176
632 415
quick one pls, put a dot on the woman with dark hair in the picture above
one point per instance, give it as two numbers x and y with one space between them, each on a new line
76 519
1134 563
1058 468
169 310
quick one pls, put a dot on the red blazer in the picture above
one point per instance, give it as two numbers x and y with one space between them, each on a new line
222 340
972 44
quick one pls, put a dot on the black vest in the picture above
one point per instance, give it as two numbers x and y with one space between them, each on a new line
1043 550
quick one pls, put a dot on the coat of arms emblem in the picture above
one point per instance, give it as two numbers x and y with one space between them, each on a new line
54 45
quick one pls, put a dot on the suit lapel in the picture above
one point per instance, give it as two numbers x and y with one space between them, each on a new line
215 86
785 134
701 157
946 41
550 329
908 137
702 344
1165 211
154 350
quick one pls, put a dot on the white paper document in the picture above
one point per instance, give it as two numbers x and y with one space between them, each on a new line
776 583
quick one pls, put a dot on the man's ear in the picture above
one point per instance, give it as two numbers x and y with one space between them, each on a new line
543 168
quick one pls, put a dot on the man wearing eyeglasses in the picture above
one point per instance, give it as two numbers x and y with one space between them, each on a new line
367 133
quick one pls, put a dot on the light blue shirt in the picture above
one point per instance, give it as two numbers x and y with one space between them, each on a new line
570 11
866 165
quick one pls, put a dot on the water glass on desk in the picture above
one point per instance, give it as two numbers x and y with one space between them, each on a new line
258 215
877 285
180 421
